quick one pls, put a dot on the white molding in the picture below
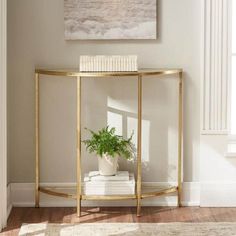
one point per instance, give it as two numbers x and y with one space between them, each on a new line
232 139
3 114
213 194
231 147
214 132
218 194
9 204
214 86
230 154
22 195
230 62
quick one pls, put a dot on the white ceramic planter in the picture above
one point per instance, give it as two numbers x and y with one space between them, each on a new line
107 165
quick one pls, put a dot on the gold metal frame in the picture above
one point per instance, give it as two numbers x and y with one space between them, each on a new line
37 140
139 195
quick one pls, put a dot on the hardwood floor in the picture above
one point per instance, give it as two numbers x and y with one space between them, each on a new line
19 216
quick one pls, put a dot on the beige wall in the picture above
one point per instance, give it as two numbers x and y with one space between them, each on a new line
36 39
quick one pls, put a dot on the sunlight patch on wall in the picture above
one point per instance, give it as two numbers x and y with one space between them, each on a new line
124 119
115 120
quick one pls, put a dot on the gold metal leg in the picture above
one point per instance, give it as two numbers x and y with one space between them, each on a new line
36 140
180 138
139 156
78 146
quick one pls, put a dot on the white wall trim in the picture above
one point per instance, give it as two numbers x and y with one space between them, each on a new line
214 87
206 194
22 195
230 154
3 114
230 62
218 194
9 202
231 147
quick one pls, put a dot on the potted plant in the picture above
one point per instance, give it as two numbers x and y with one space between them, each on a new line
108 147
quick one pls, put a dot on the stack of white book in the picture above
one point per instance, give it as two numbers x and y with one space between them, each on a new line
121 183
108 63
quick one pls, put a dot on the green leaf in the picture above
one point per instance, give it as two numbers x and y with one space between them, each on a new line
105 141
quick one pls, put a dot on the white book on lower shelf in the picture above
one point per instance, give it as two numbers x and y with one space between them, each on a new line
109 187
95 176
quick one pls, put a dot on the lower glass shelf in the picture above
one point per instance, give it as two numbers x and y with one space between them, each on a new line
147 192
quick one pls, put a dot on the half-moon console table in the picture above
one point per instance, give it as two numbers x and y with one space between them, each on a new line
141 192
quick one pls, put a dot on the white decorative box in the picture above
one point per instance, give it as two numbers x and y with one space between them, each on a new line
102 63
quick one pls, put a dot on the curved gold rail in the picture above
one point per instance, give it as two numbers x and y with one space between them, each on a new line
160 193
52 191
75 73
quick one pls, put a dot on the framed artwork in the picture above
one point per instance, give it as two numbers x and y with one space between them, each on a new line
110 19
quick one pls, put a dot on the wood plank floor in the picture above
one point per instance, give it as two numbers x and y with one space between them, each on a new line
19 216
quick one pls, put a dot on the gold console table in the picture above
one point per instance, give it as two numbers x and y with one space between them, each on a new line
141 193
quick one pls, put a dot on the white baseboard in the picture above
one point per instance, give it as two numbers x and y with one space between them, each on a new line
206 194
216 194
22 195
9 202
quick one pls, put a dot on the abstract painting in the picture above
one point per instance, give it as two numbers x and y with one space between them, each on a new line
110 19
